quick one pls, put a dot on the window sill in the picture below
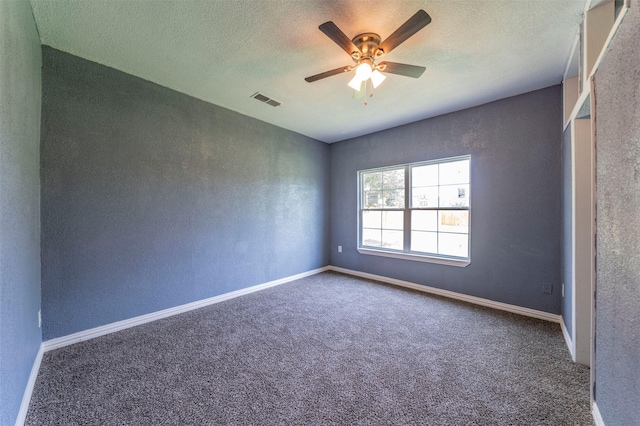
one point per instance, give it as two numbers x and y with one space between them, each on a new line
416 257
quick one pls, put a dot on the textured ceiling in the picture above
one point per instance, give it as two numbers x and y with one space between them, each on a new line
223 51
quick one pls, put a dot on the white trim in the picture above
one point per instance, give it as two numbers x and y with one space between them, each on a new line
453 295
612 33
576 108
415 257
142 319
406 254
28 390
567 339
597 417
572 52
582 240
594 252
573 235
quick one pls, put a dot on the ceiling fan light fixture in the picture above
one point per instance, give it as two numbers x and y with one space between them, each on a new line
363 71
376 78
355 83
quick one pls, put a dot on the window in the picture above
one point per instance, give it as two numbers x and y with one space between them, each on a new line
416 211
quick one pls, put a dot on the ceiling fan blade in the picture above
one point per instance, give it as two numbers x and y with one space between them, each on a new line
417 22
334 33
327 74
407 70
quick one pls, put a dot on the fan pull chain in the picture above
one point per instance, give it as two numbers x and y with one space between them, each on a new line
366 84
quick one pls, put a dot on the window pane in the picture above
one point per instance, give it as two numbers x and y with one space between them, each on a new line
453 244
393 199
392 240
454 196
424 197
454 172
426 242
372 181
393 179
372 199
393 220
424 176
424 220
454 221
372 237
372 219
438 205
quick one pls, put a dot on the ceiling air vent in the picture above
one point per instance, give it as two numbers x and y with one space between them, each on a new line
262 98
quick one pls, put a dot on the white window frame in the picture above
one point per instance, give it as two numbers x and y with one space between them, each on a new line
406 254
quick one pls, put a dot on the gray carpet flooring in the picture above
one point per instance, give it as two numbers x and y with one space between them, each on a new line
327 349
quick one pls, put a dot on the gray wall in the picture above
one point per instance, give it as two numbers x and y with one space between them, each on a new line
20 80
152 199
617 116
567 231
515 197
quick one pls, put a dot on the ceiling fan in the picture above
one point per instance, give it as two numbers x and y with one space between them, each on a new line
366 48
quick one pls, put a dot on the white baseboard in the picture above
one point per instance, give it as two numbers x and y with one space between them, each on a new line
142 319
567 339
26 397
132 322
453 295
597 417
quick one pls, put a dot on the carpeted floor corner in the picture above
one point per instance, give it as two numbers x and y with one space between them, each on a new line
327 349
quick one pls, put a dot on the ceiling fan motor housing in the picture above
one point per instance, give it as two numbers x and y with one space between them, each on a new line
368 45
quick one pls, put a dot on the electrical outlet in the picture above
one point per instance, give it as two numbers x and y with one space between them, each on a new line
547 288
39 318
339 249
